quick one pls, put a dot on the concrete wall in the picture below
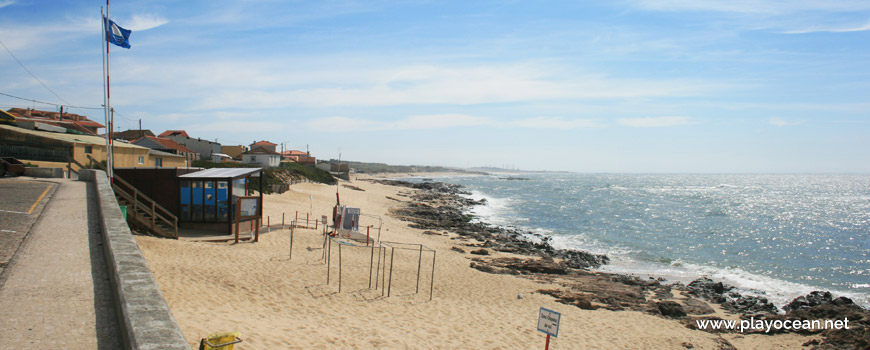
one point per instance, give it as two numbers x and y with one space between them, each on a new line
44 172
145 318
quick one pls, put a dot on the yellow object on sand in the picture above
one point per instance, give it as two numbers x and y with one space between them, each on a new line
220 341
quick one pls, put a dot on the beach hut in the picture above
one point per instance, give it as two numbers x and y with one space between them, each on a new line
207 198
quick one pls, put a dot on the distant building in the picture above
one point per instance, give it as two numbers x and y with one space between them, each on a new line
131 135
264 145
234 151
205 148
299 157
262 157
49 121
168 146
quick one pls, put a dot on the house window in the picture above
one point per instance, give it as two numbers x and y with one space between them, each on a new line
158 162
253 158
141 159
89 149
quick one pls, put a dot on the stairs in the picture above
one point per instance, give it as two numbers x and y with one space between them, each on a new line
142 211
142 217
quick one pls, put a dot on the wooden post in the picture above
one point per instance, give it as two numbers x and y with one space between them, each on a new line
328 260
282 220
432 282
257 232
339 266
153 215
268 224
367 235
371 264
378 269
419 263
238 213
306 219
390 287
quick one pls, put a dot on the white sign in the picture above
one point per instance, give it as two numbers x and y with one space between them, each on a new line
548 322
248 207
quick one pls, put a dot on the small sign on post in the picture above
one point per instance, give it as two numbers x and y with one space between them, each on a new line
548 323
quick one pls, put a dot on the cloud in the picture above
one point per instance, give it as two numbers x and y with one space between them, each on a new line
6 3
770 7
415 122
556 123
145 22
443 121
277 85
240 126
437 121
779 122
817 29
654 122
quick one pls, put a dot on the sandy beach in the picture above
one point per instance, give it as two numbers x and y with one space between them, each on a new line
282 303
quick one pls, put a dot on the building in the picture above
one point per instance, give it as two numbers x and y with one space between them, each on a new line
168 146
262 157
60 149
44 120
132 134
264 145
299 157
234 151
205 148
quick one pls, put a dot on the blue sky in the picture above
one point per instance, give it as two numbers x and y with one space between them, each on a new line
612 86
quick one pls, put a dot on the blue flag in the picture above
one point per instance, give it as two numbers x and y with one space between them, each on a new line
117 35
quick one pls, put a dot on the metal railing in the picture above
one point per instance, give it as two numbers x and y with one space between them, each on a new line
144 203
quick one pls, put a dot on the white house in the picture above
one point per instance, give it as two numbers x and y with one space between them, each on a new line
262 157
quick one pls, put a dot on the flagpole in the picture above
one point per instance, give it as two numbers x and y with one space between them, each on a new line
110 156
105 44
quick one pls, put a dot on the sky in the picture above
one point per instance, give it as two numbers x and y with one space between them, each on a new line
638 86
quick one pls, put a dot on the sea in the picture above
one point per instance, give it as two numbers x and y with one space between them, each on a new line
774 235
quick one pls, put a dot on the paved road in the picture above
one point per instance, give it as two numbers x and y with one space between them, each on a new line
55 291
21 202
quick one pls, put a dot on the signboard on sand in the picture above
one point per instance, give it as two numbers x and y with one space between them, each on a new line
548 322
248 207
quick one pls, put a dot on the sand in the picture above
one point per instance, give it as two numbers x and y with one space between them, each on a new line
281 303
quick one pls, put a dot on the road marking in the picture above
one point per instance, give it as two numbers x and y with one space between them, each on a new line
13 212
38 199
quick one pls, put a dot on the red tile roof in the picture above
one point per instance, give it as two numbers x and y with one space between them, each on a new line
267 143
55 117
168 144
174 132
293 153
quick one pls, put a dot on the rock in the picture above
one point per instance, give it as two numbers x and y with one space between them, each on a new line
433 233
731 300
814 299
480 252
520 296
811 342
697 307
671 309
457 249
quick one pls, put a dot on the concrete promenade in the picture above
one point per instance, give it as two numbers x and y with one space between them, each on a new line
55 291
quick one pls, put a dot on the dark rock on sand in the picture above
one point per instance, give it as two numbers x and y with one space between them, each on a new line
670 309
480 252
730 300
